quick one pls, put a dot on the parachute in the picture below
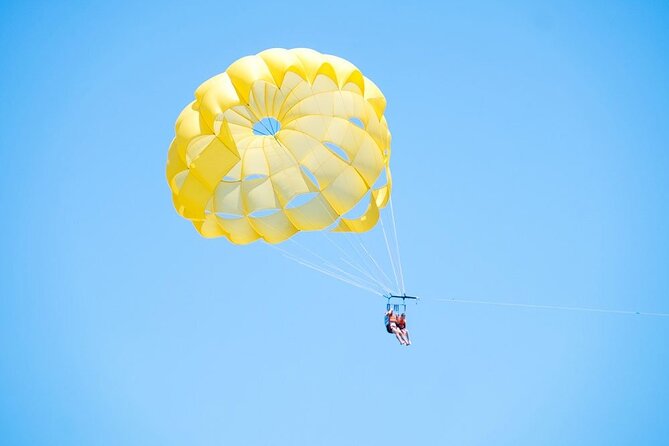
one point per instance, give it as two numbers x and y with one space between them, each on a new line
282 142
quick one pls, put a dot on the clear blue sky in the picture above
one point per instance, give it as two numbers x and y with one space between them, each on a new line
530 159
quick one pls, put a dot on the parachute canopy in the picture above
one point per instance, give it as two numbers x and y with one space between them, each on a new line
281 142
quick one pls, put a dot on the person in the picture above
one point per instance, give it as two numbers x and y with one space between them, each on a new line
391 326
402 326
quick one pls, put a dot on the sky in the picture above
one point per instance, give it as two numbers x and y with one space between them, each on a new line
530 166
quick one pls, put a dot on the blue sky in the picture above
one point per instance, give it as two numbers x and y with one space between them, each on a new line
530 165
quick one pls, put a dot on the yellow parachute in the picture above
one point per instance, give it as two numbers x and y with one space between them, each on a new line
281 142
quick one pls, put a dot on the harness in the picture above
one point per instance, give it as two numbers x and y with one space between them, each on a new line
393 302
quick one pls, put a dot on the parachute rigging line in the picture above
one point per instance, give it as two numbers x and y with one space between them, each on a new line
392 261
326 268
329 273
366 274
382 277
370 271
363 263
397 245
353 264
551 307
376 264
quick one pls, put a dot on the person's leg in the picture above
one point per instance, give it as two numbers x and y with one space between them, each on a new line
404 336
398 334
401 330
405 332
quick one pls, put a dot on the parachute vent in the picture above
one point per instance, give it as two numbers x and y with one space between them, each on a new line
357 122
334 148
266 127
